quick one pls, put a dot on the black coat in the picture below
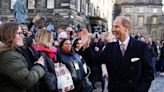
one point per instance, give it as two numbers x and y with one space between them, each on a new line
49 81
126 75
153 50
88 55
162 53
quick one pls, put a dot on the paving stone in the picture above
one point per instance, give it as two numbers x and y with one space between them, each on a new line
156 86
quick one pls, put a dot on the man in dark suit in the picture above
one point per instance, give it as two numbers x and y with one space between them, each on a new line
127 61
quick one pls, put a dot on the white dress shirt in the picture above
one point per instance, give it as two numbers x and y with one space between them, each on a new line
126 42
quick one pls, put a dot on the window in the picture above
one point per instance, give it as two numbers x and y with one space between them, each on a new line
31 4
82 6
78 5
50 4
86 12
140 21
155 10
128 10
154 20
93 12
141 9
12 4
131 1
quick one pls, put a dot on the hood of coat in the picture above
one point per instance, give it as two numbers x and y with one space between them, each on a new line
3 47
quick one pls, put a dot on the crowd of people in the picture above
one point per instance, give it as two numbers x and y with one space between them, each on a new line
29 52
157 53
157 56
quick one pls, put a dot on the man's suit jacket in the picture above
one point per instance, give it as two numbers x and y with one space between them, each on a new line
131 73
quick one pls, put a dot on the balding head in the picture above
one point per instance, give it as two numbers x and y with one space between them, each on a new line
124 21
121 27
69 29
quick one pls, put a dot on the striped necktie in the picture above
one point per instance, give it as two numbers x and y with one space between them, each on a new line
122 47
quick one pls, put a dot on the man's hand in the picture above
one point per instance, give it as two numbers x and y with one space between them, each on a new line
36 18
40 61
85 37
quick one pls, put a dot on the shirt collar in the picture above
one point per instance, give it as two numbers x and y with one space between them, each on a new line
126 42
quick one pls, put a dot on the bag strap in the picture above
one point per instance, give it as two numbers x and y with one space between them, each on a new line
88 72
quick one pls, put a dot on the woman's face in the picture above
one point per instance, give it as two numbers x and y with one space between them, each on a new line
24 29
19 37
79 44
67 46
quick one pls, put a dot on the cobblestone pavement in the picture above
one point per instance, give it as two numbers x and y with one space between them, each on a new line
157 85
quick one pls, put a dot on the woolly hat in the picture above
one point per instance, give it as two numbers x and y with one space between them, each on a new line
62 34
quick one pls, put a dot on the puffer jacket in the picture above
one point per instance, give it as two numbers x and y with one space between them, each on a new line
14 73
78 75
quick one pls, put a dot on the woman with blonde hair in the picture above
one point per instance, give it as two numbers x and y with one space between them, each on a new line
44 47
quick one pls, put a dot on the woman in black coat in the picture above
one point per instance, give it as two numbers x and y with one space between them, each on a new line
74 63
44 47
162 58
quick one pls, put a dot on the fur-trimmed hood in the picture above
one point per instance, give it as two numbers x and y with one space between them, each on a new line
3 47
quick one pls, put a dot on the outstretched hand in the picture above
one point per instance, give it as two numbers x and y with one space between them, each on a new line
40 61
85 37
36 18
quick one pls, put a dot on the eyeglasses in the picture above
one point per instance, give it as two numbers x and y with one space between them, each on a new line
20 33
24 29
79 43
67 44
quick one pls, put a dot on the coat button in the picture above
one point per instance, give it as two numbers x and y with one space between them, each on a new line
132 68
114 68
130 81
117 82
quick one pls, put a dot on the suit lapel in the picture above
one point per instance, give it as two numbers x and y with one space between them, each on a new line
117 52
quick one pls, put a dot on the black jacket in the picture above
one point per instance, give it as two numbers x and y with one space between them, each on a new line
131 73
78 75
49 81
162 53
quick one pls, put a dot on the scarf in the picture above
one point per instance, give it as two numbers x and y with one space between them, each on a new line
51 53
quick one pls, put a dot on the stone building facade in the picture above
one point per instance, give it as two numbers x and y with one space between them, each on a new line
146 17
62 12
